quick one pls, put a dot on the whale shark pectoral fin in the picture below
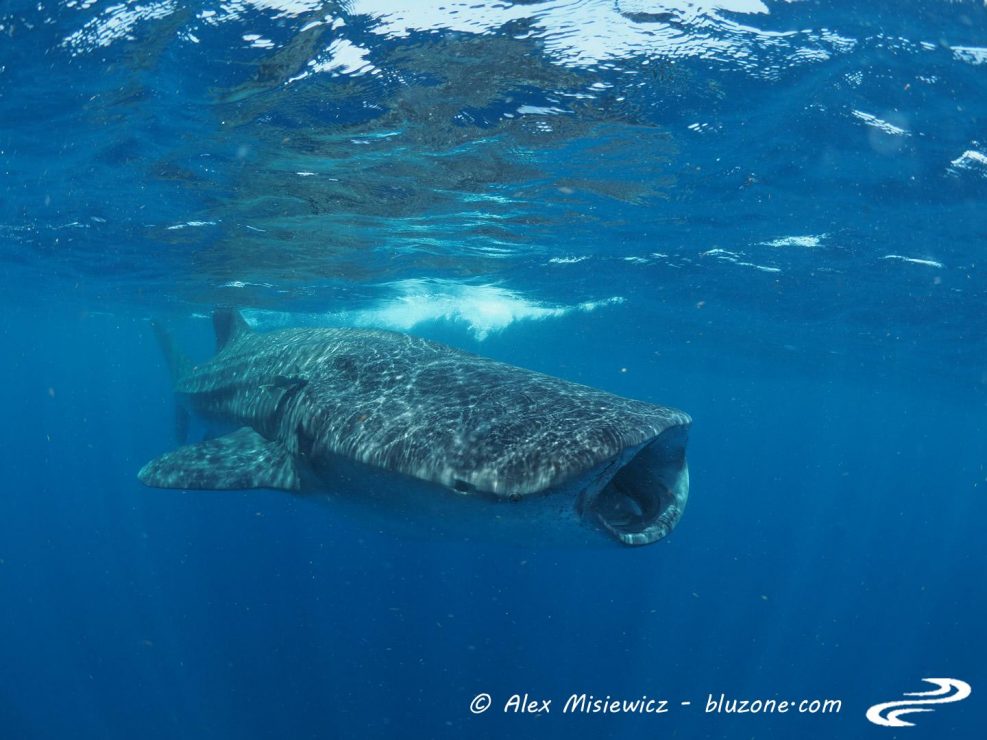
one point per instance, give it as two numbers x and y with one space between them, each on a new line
243 459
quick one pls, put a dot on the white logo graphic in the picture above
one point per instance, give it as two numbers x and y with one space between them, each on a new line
950 690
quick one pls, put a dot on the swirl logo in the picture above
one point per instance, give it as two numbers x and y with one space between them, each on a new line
949 690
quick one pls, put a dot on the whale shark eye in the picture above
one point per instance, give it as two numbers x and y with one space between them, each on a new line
461 485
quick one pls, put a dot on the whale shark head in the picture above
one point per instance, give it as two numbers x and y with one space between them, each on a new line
634 498
646 495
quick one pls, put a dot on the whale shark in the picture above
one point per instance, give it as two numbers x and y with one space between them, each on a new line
436 438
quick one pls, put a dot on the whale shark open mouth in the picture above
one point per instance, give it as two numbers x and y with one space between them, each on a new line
645 498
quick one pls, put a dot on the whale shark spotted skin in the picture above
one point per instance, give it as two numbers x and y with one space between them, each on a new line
418 429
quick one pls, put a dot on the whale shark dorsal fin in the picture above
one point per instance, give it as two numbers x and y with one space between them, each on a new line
229 325
243 459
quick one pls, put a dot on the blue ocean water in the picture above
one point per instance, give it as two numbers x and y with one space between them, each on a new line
769 214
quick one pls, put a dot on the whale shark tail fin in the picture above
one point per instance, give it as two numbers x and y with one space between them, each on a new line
179 365
178 362
229 325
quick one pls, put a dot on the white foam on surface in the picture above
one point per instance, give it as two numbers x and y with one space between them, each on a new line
644 259
483 309
573 32
191 225
287 8
597 31
245 284
805 242
737 259
913 260
257 41
539 110
880 125
567 260
720 254
345 58
116 22
970 54
969 161
280 8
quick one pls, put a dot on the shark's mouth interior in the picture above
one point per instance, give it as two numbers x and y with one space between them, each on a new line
645 498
